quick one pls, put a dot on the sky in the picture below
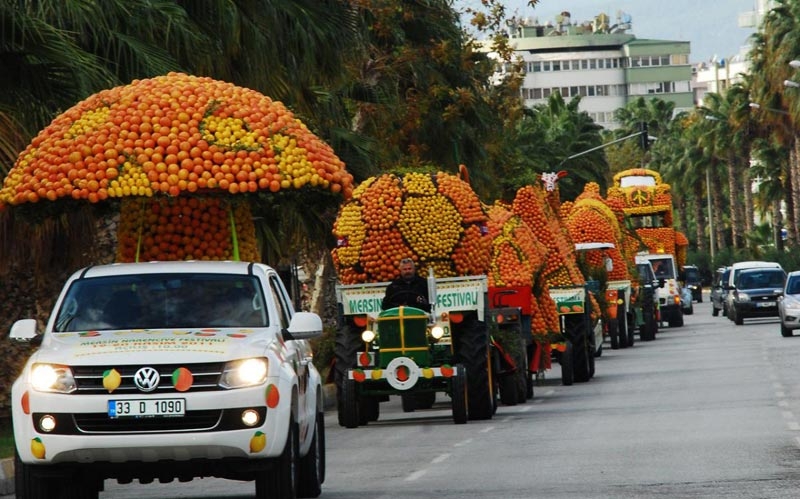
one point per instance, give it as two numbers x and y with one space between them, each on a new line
710 25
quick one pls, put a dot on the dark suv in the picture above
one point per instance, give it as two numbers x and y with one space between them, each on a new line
756 294
690 275
718 291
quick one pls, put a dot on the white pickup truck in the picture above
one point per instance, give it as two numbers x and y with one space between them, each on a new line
170 370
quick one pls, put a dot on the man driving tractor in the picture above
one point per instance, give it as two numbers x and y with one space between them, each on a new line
409 289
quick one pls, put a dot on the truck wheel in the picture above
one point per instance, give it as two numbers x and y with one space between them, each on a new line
581 364
738 319
630 331
613 333
458 392
473 351
348 413
508 389
714 310
565 359
347 344
647 329
522 376
312 465
785 331
529 376
676 320
281 479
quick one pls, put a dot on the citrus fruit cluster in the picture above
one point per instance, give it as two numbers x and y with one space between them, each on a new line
436 219
186 228
531 205
173 134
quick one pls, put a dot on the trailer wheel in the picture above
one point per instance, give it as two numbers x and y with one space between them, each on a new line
458 392
348 343
348 413
472 343
565 359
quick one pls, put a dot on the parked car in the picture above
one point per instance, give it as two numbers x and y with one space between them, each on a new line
789 305
690 275
719 292
756 294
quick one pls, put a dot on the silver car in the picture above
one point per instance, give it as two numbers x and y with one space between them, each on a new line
789 305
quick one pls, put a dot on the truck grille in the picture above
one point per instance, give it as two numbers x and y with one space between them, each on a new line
192 421
89 379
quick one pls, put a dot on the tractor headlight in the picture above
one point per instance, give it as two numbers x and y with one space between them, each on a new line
437 332
245 372
368 335
52 378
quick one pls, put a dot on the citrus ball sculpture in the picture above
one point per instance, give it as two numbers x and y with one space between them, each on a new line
590 220
517 256
157 140
560 269
436 219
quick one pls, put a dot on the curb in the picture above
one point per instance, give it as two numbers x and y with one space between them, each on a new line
7 465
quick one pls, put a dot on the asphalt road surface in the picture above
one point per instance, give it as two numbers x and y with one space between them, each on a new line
709 409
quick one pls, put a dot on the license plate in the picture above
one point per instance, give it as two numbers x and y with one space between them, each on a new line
765 304
146 408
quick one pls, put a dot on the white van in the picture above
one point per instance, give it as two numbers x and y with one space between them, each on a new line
736 268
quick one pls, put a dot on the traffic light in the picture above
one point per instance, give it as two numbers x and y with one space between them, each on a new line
644 138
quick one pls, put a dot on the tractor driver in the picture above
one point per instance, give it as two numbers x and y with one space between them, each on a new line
409 289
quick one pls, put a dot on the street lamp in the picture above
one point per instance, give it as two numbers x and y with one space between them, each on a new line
756 105
795 64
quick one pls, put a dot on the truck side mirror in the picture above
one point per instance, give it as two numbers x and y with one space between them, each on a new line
661 282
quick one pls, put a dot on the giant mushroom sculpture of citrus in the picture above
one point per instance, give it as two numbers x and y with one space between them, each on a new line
156 143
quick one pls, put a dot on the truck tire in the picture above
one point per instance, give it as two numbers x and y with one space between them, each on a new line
29 483
714 310
472 343
368 410
458 392
647 331
529 376
676 320
281 479
508 389
425 400
565 359
348 409
630 331
785 331
347 344
613 333
312 465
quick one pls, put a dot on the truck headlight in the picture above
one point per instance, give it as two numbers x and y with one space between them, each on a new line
437 332
243 373
368 335
743 296
52 378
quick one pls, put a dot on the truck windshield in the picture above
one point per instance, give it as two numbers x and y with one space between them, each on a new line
156 301
663 268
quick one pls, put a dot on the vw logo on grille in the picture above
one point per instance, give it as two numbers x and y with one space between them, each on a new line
146 379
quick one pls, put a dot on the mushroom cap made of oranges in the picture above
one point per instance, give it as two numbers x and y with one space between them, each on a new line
434 218
173 134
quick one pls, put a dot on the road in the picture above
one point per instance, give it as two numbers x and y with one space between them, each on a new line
706 410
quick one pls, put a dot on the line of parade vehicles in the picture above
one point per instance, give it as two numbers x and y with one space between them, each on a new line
492 332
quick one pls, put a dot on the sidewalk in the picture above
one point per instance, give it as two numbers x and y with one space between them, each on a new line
7 465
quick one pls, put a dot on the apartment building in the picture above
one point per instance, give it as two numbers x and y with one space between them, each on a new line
602 63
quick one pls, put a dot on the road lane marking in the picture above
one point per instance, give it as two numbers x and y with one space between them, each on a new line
487 429
793 425
440 458
777 386
787 415
780 395
783 403
416 475
462 443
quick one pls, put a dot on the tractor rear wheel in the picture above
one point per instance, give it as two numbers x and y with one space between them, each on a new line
565 359
613 333
472 347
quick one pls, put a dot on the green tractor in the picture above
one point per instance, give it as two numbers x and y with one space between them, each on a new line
407 352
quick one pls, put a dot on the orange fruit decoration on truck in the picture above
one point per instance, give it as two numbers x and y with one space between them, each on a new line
434 218
158 143
560 268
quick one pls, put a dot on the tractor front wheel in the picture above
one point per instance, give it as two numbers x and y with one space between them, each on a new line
348 408
458 392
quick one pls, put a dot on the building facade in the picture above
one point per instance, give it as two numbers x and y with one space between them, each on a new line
602 63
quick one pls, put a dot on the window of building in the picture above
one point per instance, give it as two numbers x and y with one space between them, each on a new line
584 64
592 63
591 91
573 91
636 62
545 93
536 66
679 59
537 93
664 60
556 65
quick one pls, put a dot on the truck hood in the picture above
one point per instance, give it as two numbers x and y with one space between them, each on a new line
156 345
